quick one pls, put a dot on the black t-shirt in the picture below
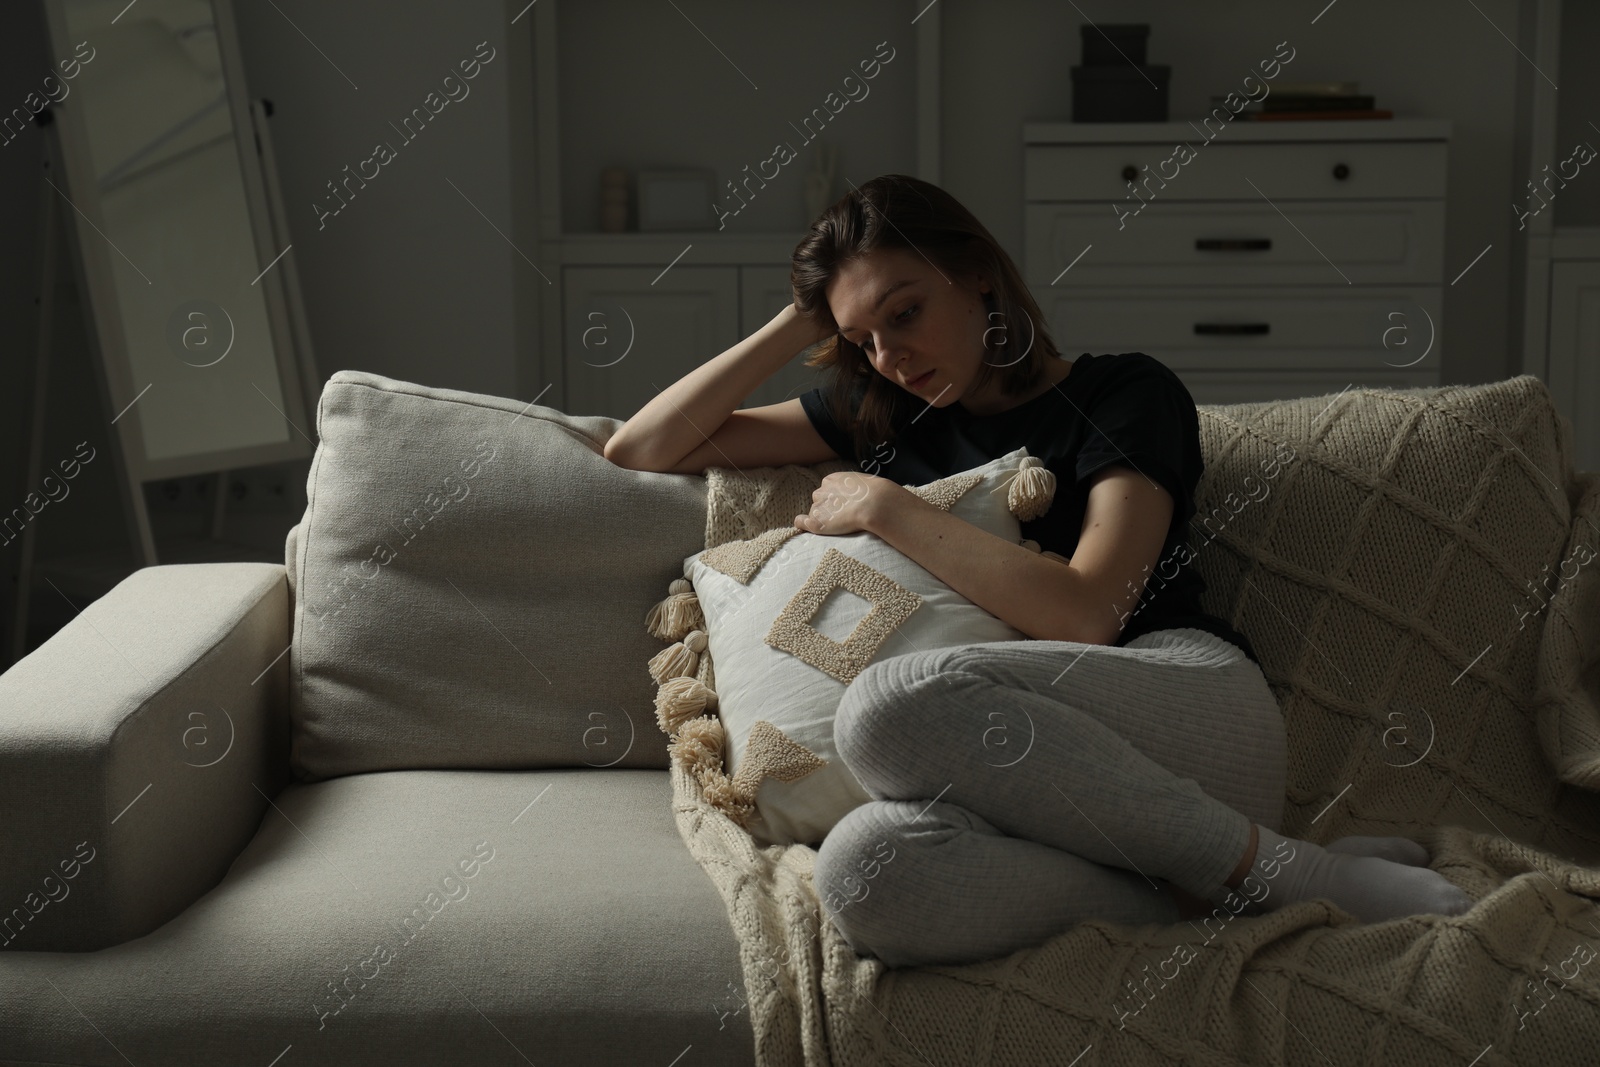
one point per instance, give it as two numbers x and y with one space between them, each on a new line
1128 409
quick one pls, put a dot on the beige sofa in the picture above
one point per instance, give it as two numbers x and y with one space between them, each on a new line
243 781
404 800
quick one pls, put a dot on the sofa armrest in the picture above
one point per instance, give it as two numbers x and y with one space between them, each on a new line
138 746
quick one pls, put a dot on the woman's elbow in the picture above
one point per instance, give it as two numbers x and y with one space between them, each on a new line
619 451
632 459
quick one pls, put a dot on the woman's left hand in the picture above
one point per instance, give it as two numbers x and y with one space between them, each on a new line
849 501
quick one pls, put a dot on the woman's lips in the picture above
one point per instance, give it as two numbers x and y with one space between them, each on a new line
917 383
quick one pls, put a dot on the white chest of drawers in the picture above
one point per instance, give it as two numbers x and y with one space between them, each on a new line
1258 260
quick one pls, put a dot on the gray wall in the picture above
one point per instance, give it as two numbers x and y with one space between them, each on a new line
21 69
409 280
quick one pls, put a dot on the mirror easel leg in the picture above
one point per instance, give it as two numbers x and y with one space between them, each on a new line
140 538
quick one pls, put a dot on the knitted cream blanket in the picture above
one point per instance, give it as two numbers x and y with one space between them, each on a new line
1417 581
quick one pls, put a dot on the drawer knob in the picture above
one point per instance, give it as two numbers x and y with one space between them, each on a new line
1233 244
1340 172
1232 328
1130 172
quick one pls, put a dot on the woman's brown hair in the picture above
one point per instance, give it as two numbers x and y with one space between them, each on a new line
899 211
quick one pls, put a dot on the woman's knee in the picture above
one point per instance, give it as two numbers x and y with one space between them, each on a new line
915 722
857 846
880 704
864 874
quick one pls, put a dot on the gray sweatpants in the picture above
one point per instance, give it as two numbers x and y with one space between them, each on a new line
1022 787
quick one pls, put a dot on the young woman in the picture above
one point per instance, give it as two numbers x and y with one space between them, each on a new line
1126 763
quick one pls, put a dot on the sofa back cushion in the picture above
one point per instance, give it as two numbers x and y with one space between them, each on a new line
470 579
1409 566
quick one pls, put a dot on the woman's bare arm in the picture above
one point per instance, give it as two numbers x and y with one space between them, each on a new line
686 413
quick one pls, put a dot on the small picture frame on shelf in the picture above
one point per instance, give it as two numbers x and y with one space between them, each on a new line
679 199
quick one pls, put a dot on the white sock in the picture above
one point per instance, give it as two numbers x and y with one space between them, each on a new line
1394 849
1289 870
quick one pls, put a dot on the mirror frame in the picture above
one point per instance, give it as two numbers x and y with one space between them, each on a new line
93 259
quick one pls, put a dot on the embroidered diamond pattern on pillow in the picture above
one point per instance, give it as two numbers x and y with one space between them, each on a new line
792 632
740 560
943 493
771 753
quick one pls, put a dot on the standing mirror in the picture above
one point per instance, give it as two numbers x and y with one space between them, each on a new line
179 239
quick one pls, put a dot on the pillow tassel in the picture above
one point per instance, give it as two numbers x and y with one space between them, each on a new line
1033 487
680 659
698 747
680 699
672 619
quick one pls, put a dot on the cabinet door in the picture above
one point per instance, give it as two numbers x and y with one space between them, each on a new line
763 293
628 337
1574 378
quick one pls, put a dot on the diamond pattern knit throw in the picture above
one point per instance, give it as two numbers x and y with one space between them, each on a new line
1416 570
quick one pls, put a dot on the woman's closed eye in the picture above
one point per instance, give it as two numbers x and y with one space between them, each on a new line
902 317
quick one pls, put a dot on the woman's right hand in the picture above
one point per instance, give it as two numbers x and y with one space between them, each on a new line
806 328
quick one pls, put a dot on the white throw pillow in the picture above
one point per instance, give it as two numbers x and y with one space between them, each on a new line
790 618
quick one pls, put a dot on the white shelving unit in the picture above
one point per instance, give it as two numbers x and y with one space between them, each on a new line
671 301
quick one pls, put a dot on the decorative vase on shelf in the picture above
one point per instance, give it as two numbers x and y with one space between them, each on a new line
614 200
819 180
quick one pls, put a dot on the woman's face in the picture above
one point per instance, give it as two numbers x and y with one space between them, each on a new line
926 336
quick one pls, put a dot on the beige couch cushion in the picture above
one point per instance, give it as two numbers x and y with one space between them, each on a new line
417 917
470 580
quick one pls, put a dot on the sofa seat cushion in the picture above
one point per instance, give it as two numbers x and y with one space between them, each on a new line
566 923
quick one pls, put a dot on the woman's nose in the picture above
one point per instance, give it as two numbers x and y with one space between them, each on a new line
886 355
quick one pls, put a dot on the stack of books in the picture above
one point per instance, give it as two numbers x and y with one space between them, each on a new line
1290 101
